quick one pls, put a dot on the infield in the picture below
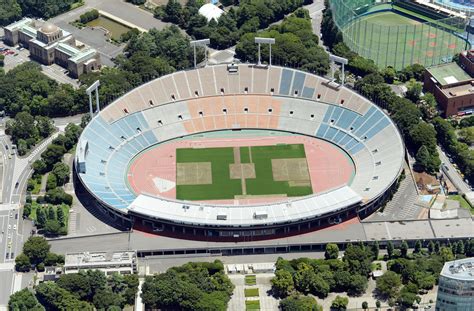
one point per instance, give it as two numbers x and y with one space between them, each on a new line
242 172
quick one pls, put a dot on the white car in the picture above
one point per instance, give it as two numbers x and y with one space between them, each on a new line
9 226
14 227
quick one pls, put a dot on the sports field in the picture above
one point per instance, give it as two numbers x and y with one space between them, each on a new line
242 172
392 39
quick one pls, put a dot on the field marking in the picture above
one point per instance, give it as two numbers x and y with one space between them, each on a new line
194 173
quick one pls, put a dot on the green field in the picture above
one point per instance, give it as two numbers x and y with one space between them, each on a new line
260 183
392 39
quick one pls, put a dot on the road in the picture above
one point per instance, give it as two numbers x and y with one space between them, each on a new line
453 174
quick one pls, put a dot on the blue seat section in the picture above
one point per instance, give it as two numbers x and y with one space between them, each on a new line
151 138
285 83
345 140
358 147
327 115
336 113
339 136
308 92
377 128
374 119
322 130
331 133
298 82
346 118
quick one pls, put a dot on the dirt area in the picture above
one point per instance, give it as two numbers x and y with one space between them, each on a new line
194 173
245 170
292 170
424 181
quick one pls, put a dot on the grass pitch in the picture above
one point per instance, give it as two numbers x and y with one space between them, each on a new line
262 183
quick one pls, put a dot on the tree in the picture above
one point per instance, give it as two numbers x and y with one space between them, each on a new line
52 227
390 249
404 249
58 196
375 250
106 298
52 155
467 135
53 259
446 253
61 171
36 248
431 247
52 182
22 263
77 284
408 295
40 217
340 303
332 251
418 246
365 305
388 284
282 283
358 285
53 297
24 300
414 90
60 215
423 158
299 303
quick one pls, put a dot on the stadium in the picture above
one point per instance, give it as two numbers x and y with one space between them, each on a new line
399 33
239 152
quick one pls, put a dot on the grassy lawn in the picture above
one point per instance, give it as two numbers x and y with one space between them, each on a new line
250 280
35 206
252 305
462 202
251 292
223 187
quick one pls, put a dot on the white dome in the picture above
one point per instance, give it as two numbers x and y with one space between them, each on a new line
210 11
49 28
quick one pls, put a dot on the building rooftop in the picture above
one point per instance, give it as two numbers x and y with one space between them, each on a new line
19 24
86 258
462 269
459 90
448 74
67 49
83 55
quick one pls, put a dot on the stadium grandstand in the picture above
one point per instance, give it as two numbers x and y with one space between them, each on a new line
234 98
399 33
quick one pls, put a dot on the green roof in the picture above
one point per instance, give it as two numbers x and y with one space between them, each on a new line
449 73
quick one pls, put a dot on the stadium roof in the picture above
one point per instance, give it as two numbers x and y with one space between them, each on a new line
195 213
449 74
210 11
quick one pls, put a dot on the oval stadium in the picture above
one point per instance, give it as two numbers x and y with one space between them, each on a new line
238 152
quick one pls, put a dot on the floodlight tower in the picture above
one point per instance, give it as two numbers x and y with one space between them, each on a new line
89 91
341 60
204 43
270 42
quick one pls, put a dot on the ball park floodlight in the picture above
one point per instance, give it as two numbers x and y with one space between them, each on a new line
269 41
202 42
89 91
341 60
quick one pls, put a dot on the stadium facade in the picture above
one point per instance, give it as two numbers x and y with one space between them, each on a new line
236 97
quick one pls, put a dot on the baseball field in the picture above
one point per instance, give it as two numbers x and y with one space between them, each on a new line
242 172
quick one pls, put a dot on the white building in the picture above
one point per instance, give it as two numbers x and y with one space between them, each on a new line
108 262
456 286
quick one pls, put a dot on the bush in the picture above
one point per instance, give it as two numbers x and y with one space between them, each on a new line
40 267
58 196
89 16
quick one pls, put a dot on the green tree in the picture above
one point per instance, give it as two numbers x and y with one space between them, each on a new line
52 227
22 263
332 251
466 135
340 303
52 182
390 249
60 216
404 249
418 247
24 300
52 155
53 297
282 283
106 298
299 303
10 11
58 196
36 248
358 285
414 90
77 284
40 217
375 250
365 305
388 284
61 171
446 253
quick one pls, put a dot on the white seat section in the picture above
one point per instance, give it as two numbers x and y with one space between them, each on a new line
194 82
169 87
208 82
245 79
259 85
182 84
220 74
274 75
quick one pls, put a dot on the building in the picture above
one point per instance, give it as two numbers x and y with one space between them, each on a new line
116 262
466 59
452 87
456 286
50 44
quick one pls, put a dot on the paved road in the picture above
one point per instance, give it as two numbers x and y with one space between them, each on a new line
452 174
